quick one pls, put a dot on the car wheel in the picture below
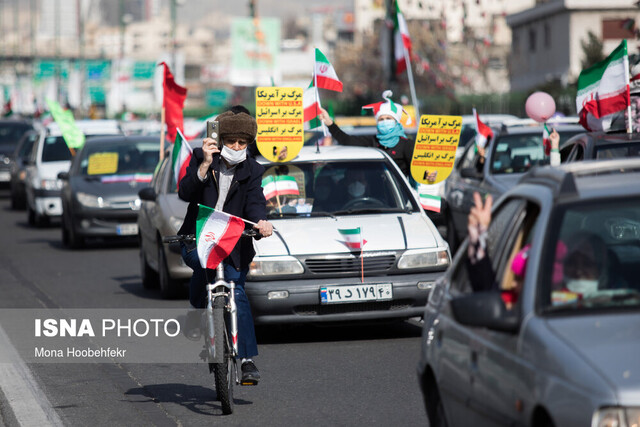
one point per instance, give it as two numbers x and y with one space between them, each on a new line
435 408
452 238
169 288
17 202
70 237
149 276
31 216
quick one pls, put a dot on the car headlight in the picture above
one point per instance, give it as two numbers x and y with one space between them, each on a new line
275 266
90 201
176 222
6 160
616 417
51 184
420 258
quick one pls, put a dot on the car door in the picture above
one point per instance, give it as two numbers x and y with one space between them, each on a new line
502 381
148 214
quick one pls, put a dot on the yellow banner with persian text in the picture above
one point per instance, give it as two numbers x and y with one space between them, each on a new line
435 149
280 117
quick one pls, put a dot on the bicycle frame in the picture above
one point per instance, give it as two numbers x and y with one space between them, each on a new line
220 287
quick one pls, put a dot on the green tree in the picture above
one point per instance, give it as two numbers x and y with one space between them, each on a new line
592 50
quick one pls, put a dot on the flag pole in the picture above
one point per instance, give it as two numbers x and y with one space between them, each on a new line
245 220
625 61
412 87
162 118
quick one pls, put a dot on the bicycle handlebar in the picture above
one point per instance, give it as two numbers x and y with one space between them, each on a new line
188 238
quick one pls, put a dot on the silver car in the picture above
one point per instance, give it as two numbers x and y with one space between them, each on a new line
556 338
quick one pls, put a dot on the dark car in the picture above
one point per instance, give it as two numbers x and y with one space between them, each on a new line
600 146
555 340
100 191
11 131
18 171
514 151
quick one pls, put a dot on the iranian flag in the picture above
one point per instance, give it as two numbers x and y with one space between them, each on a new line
430 202
325 75
483 132
352 237
216 235
603 90
180 157
401 40
546 140
279 185
311 105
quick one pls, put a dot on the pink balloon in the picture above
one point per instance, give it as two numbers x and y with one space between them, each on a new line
540 106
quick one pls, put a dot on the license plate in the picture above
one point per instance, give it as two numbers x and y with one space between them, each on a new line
127 229
5 176
356 293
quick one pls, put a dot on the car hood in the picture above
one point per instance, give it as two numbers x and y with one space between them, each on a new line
118 190
50 170
610 344
382 232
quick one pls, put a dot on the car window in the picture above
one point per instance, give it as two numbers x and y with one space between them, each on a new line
160 178
616 151
55 149
577 153
593 257
128 157
338 187
517 153
469 159
24 149
10 134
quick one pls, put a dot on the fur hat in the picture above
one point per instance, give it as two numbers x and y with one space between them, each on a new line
237 125
388 107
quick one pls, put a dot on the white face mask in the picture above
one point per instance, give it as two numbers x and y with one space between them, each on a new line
233 157
356 189
582 286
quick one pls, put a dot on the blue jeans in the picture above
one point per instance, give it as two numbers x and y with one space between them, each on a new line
247 343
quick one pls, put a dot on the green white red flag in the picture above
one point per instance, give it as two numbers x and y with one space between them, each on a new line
325 74
483 132
279 185
352 237
216 235
401 40
603 90
546 140
180 157
430 202
311 106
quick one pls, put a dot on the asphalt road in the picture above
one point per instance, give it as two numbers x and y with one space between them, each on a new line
339 376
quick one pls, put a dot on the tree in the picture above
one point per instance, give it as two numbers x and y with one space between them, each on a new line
592 50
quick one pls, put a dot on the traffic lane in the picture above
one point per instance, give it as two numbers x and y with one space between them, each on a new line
308 371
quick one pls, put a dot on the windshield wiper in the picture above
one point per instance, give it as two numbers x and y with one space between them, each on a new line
299 214
371 210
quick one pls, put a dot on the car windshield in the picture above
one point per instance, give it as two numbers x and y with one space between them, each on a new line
616 151
517 153
321 188
10 134
55 149
595 258
127 158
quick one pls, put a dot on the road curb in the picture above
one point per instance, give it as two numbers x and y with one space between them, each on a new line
22 403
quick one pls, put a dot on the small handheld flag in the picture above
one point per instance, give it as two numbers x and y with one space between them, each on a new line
180 157
216 235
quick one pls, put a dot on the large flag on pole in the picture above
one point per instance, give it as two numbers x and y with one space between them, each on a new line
483 132
173 102
603 90
311 106
401 40
325 74
216 235
180 157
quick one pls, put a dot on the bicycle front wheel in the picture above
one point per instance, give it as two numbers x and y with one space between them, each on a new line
223 372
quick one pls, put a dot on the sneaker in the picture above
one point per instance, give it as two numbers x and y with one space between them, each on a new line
250 374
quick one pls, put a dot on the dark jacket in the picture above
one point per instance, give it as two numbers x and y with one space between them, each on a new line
244 199
401 153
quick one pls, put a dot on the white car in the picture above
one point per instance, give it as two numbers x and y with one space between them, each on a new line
313 270
50 156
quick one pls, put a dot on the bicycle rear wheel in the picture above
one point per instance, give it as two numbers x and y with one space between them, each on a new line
223 372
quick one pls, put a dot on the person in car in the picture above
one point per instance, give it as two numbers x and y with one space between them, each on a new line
228 180
390 135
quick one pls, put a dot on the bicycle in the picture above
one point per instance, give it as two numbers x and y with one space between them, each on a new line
221 324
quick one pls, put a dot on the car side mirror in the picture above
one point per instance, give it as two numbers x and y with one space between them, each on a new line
470 173
64 176
148 194
485 310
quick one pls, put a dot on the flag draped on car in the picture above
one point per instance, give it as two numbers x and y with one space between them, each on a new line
603 91
401 40
279 185
483 132
180 157
216 235
172 102
311 106
430 202
325 74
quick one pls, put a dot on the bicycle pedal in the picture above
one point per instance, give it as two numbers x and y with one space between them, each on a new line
249 382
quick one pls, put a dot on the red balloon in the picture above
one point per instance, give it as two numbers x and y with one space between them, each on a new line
540 106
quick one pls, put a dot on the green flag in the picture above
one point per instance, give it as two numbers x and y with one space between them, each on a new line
72 135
